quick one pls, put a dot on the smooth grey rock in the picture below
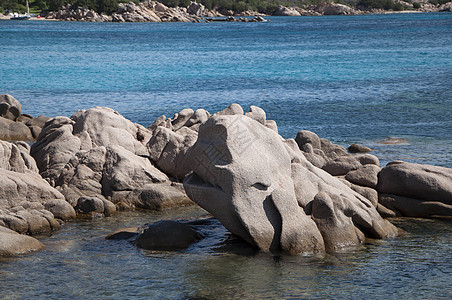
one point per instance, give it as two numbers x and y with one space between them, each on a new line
366 175
168 149
152 196
199 117
367 192
25 198
87 205
258 114
182 117
423 182
60 209
13 243
341 165
167 235
264 190
233 109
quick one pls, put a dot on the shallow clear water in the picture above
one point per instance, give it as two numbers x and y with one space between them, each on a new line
79 263
349 79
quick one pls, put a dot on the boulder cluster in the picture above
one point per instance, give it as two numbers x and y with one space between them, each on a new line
302 195
147 11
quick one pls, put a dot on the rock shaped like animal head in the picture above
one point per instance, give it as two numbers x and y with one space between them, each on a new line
242 175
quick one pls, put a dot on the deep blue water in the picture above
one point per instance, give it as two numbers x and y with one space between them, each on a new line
349 79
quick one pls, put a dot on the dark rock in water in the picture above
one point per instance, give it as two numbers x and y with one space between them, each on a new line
124 234
167 235
355 148
12 243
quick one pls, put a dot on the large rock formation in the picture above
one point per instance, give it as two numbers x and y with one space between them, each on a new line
148 11
99 153
263 189
415 190
28 204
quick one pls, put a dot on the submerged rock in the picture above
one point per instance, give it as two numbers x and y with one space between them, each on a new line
167 235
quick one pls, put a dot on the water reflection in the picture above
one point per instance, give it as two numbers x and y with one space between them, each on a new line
79 262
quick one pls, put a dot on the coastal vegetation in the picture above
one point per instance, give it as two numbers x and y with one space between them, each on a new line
268 7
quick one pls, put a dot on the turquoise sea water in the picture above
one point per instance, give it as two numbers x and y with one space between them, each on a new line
349 79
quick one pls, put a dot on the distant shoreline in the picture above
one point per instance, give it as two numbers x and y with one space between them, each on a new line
196 12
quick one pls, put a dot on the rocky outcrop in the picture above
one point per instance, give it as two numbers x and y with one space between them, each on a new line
167 235
415 190
28 204
335 9
97 157
15 126
148 11
13 243
265 191
286 11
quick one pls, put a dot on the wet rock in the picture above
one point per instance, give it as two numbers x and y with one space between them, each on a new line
167 235
355 148
124 234
13 243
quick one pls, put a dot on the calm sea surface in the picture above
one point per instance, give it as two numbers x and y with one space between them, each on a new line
349 79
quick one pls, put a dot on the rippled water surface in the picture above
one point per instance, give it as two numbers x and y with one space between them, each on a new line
349 79
79 263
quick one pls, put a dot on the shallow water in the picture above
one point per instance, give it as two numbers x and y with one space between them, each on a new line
79 262
349 79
